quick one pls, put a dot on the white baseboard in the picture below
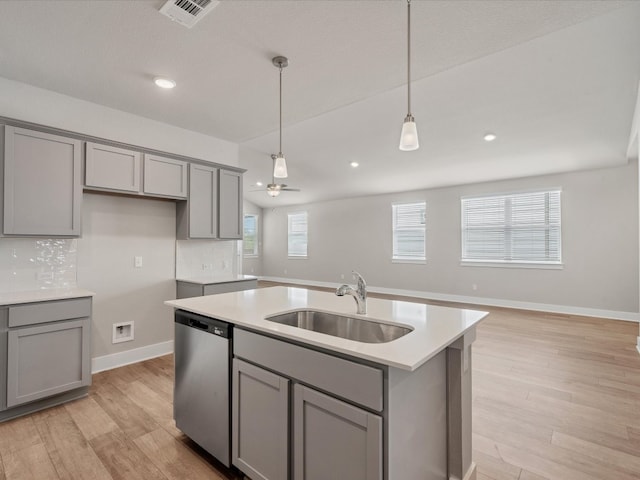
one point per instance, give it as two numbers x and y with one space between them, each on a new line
120 359
490 302
638 345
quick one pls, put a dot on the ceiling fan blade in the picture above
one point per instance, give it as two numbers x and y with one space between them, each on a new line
289 189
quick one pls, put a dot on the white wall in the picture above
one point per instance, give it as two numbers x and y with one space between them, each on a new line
599 235
253 265
24 102
115 230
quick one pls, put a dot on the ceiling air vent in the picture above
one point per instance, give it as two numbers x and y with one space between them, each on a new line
188 12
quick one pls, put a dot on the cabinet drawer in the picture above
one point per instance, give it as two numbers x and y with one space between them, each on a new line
41 312
352 381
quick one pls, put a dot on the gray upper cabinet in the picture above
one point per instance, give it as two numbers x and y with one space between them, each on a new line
42 185
230 216
198 216
327 428
164 176
112 168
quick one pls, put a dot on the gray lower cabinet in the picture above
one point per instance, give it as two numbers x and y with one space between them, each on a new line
42 185
48 350
333 439
260 422
165 176
186 289
230 214
111 168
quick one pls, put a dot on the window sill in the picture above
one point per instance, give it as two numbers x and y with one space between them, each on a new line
298 257
541 266
251 256
410 261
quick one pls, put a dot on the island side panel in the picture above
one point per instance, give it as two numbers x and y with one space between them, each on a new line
461 466
416 421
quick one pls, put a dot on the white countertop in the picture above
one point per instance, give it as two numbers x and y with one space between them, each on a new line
43 295
210 280
434 327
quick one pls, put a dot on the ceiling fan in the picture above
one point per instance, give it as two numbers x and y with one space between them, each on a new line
273 188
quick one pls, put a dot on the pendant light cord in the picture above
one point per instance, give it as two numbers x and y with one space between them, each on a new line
281 109
408 58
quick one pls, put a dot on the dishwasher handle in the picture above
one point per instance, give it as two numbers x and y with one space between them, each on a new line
198 324
206 324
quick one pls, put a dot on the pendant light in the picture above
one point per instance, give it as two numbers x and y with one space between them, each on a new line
273 189
409 135
280 164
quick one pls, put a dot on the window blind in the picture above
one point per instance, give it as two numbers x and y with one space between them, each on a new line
409 223
519 228
297 234
250 237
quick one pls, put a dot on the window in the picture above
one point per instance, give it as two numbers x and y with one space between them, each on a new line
516 228
297 235
409 221
250 238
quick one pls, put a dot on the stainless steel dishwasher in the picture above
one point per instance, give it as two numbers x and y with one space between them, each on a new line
201 406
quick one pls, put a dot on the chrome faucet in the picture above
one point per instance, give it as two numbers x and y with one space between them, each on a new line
359 293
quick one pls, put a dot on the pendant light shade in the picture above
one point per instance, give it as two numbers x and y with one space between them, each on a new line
409 135
280 164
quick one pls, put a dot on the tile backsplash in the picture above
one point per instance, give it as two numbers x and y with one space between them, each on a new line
39 263
206 258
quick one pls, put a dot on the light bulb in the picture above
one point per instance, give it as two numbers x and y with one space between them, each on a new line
409 135
164 82
280 167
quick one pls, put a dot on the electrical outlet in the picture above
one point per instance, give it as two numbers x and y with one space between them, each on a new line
122 332
285 271
474 286
137 261
342 276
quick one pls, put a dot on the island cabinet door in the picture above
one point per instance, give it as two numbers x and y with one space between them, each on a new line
333 439
260 422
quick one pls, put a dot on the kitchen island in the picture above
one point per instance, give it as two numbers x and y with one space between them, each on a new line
307 405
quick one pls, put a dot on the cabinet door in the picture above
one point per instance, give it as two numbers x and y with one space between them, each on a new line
230 215
112 168
164 176
260 422
42 184
326 428
47 359
203 201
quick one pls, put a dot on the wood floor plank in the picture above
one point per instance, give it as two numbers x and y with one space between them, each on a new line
175 460
2 475
123 459
30 463
615 460
131 418
18 434
90 417
69 451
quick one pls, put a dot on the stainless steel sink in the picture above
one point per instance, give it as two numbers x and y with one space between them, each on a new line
366 331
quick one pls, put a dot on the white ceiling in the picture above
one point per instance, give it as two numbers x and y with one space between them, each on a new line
556 80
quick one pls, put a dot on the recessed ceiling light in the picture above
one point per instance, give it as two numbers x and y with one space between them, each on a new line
258 184
490 137
354 164
163 82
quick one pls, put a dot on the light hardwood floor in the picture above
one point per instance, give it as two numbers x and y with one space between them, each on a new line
554 397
